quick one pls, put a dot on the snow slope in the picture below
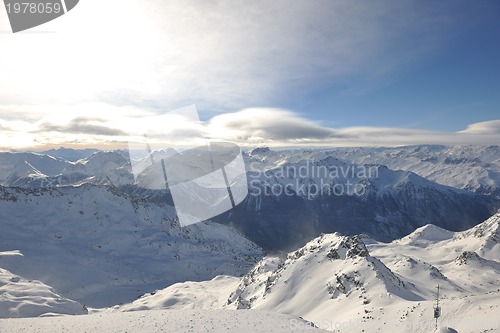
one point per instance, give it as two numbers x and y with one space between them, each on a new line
30 298
101 247
186 295
351 284
217 321
338 283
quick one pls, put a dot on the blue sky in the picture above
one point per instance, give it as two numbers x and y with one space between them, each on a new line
455 84
317 72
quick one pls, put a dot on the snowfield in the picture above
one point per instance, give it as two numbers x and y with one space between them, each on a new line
102 248
27 298
220 321
187 295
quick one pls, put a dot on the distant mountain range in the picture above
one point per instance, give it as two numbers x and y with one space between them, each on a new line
393 202
473 168
402 188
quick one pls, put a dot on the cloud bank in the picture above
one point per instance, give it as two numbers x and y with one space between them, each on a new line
485 127
248 128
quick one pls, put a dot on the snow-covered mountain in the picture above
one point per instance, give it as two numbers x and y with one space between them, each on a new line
33 170
28 168
321 189
100 247
68 154
474 168
351 284
65 247
322 198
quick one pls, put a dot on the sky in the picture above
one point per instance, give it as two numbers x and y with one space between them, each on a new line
277 73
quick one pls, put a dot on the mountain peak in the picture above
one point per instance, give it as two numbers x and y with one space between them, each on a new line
68 154
467 257
489 230
429 233
260 151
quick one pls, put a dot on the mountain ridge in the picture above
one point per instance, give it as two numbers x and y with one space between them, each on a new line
341 284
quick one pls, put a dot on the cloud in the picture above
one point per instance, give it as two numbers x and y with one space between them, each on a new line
221 55
96 124
278 127
485 127
248 128
272 125
83 125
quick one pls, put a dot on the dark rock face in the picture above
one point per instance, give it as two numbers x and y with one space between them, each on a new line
466 257
285 222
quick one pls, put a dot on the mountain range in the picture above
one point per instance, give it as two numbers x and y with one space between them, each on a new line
355 284
402 188
334 282
345 239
